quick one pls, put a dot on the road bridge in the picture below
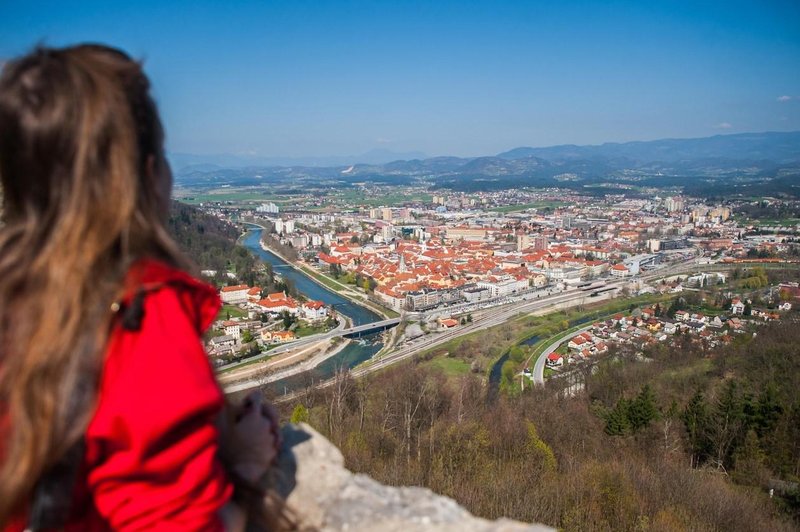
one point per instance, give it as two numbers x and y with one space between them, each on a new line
369 328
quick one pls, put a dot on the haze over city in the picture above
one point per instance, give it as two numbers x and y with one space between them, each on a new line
301 79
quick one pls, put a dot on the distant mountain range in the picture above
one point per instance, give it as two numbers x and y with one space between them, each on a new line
775 147
745 160
181 161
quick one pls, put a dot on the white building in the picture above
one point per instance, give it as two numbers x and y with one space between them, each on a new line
284 226
390 298
234 294
504 286
620 270
268 208
314 310
233 329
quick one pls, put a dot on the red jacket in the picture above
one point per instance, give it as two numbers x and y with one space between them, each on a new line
151 447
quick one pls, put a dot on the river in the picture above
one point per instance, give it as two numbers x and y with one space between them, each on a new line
352 355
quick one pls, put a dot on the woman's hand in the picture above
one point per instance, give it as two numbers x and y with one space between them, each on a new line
251 440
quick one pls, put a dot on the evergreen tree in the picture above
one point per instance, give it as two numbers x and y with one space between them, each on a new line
726 424
749 461
695 418
768 411
617 423
643 409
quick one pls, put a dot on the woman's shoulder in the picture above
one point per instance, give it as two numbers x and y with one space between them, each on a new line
160 321
158 336
157 287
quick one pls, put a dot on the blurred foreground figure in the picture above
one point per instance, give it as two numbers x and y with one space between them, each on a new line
108 404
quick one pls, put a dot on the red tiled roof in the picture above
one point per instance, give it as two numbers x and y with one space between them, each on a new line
235 288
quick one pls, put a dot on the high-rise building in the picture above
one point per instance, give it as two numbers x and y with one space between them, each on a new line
674 204
268 208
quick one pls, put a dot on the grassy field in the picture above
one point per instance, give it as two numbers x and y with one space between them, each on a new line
451 367
357 197
232 310
253 196
308 330
324 279
532 205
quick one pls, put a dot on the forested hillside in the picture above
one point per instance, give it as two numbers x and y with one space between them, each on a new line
209 241
681 439
211 244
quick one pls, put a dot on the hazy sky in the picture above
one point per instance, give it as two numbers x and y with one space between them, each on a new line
301 78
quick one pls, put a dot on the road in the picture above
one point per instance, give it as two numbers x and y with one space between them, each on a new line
340 330
538 367
482 320
492 317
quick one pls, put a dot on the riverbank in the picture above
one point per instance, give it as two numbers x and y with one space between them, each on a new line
274 370
332 284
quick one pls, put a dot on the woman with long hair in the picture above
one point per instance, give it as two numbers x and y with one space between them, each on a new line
108 405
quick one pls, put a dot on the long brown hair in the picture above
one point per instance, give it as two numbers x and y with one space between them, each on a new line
86 192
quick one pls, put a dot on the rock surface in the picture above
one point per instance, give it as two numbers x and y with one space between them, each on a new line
325 496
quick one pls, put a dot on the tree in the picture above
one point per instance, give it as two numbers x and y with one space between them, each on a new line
725 424
300 414
507 375
768 411
749 461
643 409
247 336
695 418
288 318
539 449
516 354
617 423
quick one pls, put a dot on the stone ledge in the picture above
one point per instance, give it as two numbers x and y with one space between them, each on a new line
325 496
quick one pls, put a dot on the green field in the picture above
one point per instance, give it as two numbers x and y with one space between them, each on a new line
451 367
234 311
532 205
357 197
309 330
257 196
324 279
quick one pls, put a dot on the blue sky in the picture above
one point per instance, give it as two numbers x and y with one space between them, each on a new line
300 78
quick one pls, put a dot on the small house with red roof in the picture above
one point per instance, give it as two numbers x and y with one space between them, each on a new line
554 360
314 310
